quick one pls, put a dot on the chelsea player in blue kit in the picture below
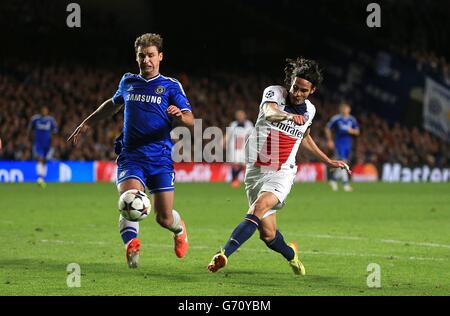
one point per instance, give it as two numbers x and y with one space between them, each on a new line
152 103
42 126
345 127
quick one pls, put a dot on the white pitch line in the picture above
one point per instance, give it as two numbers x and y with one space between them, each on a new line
325 236
387 241
71 242
316 253
424 244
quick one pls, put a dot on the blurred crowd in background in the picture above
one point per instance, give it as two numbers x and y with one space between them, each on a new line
429 62
72 71
73 92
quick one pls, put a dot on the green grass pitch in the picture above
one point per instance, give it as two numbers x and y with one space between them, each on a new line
404 228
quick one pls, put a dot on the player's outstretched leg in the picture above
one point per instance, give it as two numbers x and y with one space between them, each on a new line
240 234
129 231
274 240
170 219
244 230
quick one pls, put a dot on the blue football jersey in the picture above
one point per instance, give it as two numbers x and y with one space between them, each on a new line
42 127
147 126
340 125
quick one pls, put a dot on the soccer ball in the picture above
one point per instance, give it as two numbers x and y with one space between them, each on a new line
134 205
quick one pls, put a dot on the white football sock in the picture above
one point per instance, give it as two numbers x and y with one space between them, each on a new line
344 176
41 169
337 174
176 224
128 229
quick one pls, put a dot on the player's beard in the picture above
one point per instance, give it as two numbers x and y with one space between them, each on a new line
296 101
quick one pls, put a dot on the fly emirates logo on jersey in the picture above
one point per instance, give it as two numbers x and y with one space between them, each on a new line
289 127
144 98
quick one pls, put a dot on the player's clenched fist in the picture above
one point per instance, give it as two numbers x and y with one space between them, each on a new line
298 119
174 111
339 164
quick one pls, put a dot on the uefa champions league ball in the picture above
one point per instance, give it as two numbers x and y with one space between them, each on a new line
134 205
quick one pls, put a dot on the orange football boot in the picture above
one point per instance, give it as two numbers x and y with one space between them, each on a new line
132 254
181 242
235 184
218 261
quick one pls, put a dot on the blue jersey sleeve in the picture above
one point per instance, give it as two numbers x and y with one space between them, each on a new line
54 127
118 96
178 98
354 123
332 122
32 124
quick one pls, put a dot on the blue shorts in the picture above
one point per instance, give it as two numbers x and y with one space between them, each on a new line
343 152
40 152
157 178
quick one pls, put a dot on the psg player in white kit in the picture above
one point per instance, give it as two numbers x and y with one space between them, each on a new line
283 125
236 137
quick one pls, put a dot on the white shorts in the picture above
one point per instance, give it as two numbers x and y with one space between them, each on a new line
277 182
237 156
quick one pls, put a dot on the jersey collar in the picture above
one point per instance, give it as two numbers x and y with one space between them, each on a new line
294 109
151 79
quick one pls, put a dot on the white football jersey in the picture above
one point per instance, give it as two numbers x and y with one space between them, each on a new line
275 144
238 134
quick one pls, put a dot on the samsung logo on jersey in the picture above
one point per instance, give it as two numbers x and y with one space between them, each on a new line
289 128
44 126
144 98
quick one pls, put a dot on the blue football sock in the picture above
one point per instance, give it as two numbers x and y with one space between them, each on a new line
333 175
127 229
235 173
279 245
241 233
127 234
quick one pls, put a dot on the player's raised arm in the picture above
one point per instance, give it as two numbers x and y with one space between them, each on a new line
309 144
329 137
274 114
106 109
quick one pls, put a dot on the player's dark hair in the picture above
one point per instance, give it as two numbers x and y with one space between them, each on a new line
307 69
149 39
345 102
